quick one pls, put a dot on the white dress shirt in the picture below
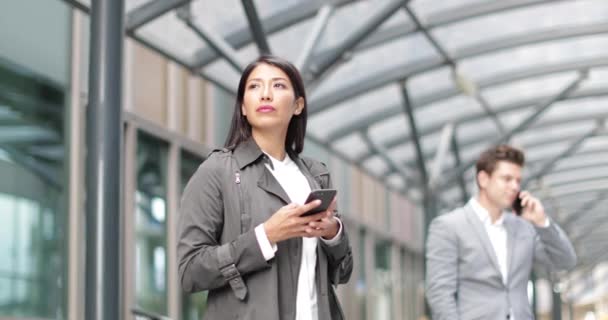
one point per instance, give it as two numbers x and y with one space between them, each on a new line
497 234
297 188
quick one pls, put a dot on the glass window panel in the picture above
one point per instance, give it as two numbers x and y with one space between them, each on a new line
383 281
362 288
150 224
518 22
592 108
544 53
37 39
193 305
33 185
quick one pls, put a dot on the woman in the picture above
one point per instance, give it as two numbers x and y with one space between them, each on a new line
241 232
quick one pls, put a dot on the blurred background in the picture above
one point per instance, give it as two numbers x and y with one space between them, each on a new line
403 95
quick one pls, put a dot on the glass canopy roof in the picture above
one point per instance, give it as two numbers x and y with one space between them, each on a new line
472 72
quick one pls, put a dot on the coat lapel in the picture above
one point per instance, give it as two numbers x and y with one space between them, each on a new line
511 235
270 184
482 234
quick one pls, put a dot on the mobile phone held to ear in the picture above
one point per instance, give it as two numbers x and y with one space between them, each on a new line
325 195
517 207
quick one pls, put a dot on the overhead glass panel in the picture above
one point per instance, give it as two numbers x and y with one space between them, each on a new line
343 19
425 8
225 72
598 78
376 165
592 108
395 53
559 51
221 17
522 21
289 43
569 176
430 82
352 146
576 161
529 88
445 110
536 136
394 126
353 111
129 4
172 35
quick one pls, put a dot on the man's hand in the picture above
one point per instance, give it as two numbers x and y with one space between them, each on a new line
533 210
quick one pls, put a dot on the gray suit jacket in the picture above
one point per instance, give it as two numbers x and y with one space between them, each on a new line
230 194
463 278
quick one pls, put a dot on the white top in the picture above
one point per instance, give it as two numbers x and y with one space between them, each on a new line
297 188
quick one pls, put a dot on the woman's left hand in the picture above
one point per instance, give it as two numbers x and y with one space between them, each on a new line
327 227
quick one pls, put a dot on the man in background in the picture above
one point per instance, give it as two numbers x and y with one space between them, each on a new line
479 257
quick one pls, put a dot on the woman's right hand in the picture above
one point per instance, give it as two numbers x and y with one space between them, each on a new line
288 222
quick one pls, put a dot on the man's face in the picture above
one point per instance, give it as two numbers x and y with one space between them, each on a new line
501 186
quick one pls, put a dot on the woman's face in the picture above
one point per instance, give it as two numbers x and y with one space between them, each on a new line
269 101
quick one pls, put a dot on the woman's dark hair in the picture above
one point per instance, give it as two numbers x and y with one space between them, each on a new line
240 129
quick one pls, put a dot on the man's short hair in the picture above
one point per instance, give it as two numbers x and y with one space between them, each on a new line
489 159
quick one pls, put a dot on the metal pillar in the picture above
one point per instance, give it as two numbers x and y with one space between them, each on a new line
557 303
104 131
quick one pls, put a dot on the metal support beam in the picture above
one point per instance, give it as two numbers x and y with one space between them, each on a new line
572 148
447 135
215 42
104 141
522 125
458 162
442 52
315 34
586 207
150 11
278 21
380 151
257 30
409 112
321 66
557 302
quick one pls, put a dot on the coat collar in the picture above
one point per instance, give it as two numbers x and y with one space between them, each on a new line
247 152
